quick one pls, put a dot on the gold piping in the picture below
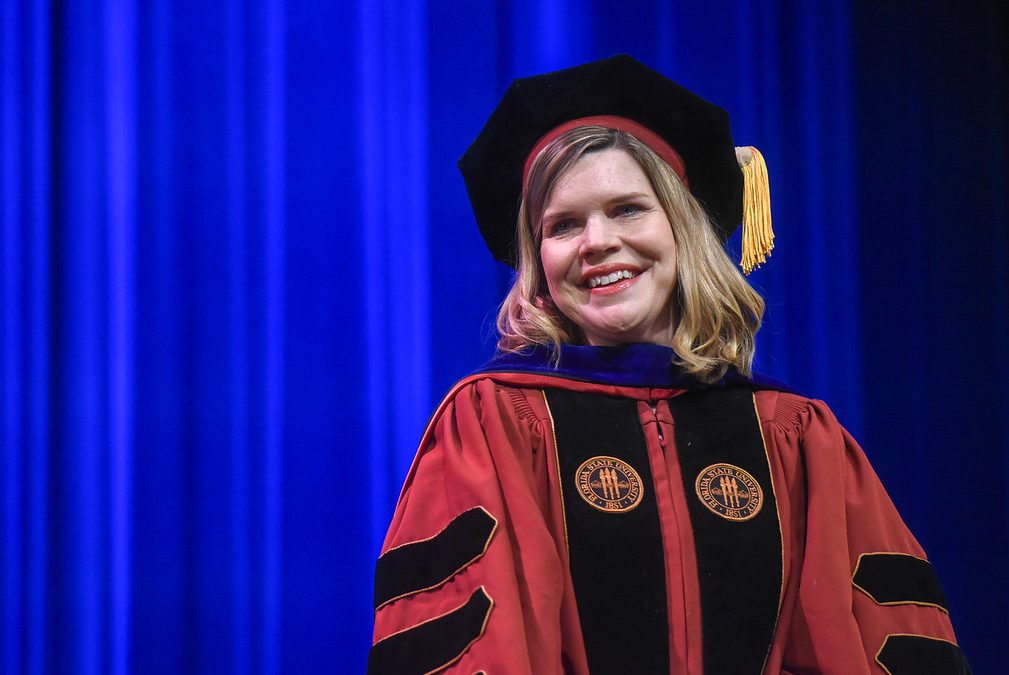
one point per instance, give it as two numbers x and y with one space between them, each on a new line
893 603
927 637
466 564
560 479
483 628
781 536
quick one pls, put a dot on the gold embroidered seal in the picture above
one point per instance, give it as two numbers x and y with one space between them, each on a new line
729 492
609 484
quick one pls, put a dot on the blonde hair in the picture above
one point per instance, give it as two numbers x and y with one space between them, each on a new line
718 312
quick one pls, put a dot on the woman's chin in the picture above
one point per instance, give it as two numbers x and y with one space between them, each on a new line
623 335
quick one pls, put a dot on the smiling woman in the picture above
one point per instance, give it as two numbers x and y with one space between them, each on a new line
608 253
629 183
615 491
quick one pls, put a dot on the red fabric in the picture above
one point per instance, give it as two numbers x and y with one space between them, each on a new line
833 511
490 444
657 144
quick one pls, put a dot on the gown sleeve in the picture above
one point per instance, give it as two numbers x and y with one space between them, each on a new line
868 600
470 576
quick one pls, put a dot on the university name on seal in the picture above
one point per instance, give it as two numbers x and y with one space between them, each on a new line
729 492
608 484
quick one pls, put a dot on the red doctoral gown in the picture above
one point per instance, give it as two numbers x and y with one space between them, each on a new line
601 517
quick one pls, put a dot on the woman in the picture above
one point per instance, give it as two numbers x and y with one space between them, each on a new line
615 492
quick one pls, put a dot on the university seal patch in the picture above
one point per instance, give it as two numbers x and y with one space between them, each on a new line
729 492
609 484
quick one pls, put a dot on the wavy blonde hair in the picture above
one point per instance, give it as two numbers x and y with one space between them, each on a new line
717 312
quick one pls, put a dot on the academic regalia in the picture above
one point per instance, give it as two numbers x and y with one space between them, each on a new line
610 514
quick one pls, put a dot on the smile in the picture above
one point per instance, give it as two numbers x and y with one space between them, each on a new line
612 278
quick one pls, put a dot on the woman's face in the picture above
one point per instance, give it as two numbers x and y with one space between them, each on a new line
608 251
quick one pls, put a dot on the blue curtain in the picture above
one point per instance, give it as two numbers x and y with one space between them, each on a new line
239 270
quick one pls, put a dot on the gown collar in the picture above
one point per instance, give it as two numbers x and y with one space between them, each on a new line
633 365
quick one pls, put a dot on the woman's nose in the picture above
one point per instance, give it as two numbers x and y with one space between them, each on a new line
598 236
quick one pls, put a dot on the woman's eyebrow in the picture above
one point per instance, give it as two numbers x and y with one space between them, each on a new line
560 214
608 201
627 196
549 216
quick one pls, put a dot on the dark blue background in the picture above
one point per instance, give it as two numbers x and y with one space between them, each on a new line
239 271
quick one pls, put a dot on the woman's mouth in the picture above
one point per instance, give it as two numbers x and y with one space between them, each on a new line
610 284
605 280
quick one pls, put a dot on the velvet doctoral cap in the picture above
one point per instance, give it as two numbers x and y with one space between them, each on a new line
619 87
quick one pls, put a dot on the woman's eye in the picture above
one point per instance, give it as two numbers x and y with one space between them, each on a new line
560 227
629 210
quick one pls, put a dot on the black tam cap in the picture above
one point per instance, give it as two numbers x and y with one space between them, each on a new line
640 101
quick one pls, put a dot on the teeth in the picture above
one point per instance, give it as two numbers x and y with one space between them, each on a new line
607 279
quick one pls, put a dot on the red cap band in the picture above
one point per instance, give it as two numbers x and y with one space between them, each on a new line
657 144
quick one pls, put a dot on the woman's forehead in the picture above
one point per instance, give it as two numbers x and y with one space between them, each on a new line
599 176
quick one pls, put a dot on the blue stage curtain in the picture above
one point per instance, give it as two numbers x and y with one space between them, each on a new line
933 178
239 270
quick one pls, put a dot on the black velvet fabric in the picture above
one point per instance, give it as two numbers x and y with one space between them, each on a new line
619 86
421 565
920 655
739 564
897 578
433 644
617 562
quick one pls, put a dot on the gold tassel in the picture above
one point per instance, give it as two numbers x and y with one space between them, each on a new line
758 237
